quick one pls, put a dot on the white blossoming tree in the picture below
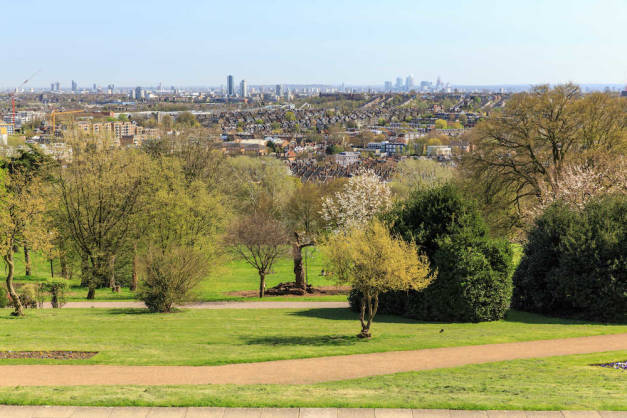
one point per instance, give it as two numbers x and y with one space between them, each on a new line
579 183
364 196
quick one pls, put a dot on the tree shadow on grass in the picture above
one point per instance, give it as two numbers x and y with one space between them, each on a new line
319 340
534 318
344 314
129 311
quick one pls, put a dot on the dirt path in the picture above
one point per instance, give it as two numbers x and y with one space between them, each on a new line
304 371
211 305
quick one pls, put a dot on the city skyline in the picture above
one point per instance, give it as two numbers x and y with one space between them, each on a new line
357 43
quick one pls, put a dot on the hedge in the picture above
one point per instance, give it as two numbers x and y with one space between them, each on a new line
575 262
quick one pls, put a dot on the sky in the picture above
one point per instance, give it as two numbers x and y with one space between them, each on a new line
357 42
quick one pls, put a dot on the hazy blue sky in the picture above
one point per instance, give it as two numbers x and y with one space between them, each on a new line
358 42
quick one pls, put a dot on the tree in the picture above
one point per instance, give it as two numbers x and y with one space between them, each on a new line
289 116
580 184
363 197
22 206
412 174
536 135
187 120
304 220
441 124
574 262
474 271
100 194
372 261
257 184
258 239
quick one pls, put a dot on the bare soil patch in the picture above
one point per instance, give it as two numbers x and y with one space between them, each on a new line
290 289
53 355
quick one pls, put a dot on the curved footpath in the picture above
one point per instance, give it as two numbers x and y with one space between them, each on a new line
210 305
304 371
138 412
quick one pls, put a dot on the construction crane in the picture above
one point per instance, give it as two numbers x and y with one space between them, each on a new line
54 117
15 92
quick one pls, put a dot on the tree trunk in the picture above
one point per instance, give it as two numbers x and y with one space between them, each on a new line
134 276
369 305
27 267
85 272
299 275
112 273
262 284
19 309
51 267
91 293
64 272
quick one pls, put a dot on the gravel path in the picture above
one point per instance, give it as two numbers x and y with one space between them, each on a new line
211 305
304 371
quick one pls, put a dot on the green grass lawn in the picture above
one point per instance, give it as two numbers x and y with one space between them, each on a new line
554 383
232 276
211 337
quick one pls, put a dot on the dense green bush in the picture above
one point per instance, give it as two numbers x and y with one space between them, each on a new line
4 297
55 289
28 295
169 276
575 262
473 279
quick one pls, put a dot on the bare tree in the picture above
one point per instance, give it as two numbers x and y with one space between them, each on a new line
258 239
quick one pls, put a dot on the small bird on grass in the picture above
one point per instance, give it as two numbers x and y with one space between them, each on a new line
442 330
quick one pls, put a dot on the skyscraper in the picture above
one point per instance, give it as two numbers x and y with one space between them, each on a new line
409 82
139 93
243 89
278 90
74 86
399 83
387 86
230 88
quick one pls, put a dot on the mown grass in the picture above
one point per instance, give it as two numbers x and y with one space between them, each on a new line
556 383
231 276
211 337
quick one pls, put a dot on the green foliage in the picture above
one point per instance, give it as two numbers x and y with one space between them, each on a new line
187 119
473 280
4 297
441 124
169 276
334 149
28 295
55 289
575 262
412 174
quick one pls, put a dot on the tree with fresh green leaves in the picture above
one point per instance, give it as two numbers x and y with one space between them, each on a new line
23 201
100 195
372 261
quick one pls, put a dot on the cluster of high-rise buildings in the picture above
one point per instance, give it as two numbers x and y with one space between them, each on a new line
408 84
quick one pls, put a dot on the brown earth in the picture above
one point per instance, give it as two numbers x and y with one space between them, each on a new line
304 371
284 289
54 355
